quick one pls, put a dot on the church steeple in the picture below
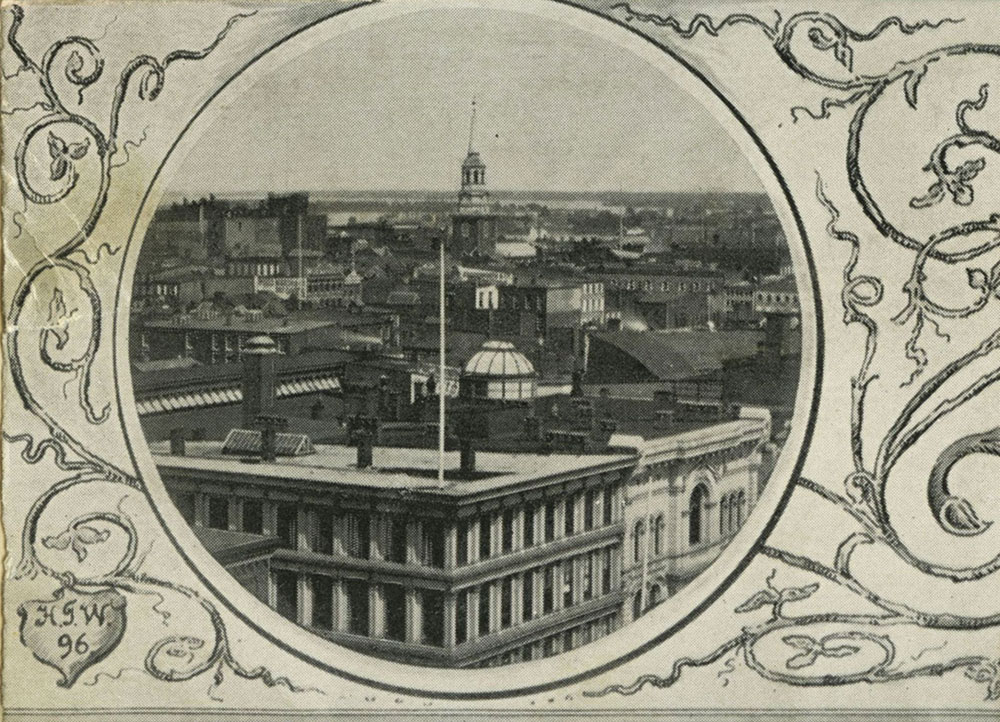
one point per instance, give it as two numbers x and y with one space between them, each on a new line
473 171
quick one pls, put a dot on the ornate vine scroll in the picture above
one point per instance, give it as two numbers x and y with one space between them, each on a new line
86 617
806 43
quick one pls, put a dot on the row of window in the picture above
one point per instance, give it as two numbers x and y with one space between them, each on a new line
357 596
629 284
561 573
657 528
732 511
556 643
533 533
697 517
356 529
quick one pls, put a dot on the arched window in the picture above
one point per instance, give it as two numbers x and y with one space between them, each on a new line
637 605
658 535
640 533
655 595
696 514
724 520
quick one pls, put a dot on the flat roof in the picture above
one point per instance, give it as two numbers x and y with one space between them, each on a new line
393 468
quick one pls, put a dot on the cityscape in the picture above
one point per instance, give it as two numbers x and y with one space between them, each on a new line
466 426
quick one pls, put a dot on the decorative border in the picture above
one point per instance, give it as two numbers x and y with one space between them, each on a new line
176 658
85 619
807 638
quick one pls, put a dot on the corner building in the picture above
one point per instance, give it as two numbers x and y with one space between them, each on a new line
535 544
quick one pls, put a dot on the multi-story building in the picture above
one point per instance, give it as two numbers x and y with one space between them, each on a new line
523 551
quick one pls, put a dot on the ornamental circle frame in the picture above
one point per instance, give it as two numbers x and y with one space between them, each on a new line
811 312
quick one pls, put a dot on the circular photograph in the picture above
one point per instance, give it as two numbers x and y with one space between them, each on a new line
469 337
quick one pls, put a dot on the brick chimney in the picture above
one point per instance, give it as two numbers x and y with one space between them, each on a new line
467 456
269 427
260 355
177 441
362 430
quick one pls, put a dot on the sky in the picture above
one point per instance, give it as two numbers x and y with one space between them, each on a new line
387 107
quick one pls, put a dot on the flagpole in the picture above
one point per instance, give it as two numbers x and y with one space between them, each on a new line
441 358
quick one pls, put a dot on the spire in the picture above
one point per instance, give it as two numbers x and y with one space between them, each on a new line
472 123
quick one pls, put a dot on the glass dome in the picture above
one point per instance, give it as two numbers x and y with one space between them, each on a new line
498 371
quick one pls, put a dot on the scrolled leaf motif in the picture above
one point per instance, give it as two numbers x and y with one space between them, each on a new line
986 672
812 649
955 514
77 538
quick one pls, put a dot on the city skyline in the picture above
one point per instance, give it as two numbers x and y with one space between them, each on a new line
542 125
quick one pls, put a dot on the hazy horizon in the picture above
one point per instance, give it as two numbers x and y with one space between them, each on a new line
386 108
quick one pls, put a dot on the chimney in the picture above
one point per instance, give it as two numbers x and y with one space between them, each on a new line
269 427
259 379
177 441
362 430
467 457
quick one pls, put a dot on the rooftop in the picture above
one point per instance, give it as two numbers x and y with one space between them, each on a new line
394 469
265 325
683 354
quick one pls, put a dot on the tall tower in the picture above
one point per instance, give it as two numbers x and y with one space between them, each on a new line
473 226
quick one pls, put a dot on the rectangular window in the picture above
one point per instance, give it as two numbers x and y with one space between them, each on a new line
506 601
588 576
322 541
569 521
484 536
462 617
567 583
357 536
589 500
567 640
484 609
550 521
528 595
287 588
529 526
606 572
356 592
462 542
433 617
218 512
253 516
609 503
395 612
396 539
508 531
322 608
287 526
548 589
433 543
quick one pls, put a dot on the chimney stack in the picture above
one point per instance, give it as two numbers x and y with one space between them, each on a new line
362 430
177 441
467 457
259 379
269 427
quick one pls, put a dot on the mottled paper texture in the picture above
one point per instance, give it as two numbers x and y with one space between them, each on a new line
621 359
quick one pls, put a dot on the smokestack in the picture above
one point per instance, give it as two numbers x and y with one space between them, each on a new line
177 441
259 379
